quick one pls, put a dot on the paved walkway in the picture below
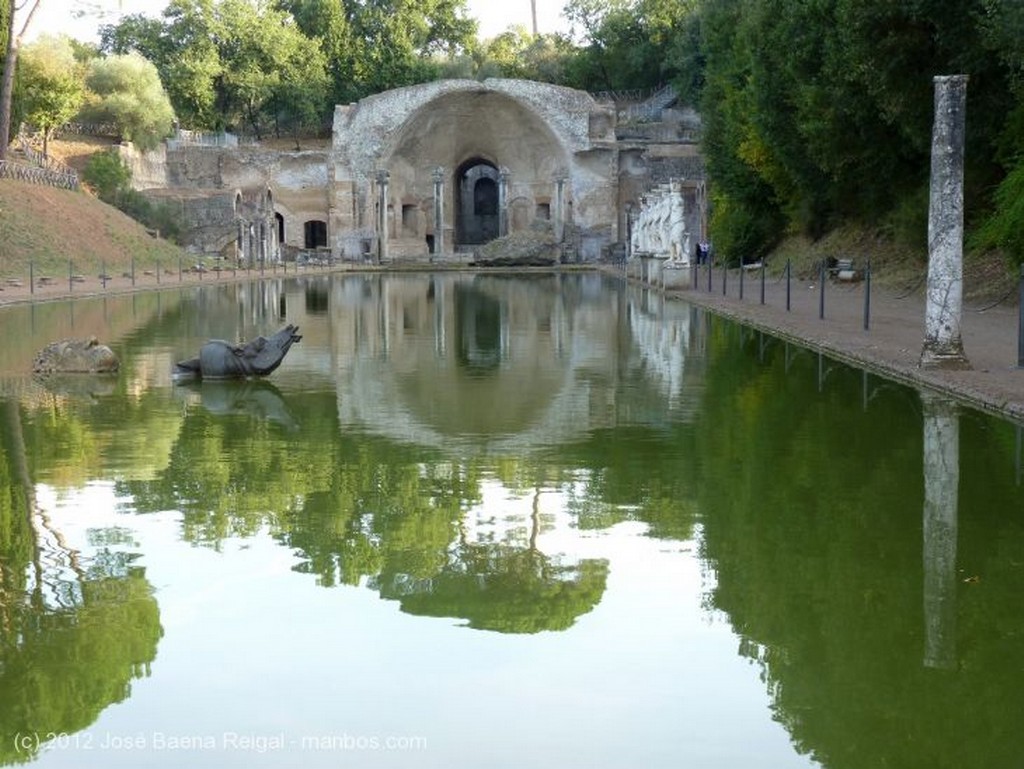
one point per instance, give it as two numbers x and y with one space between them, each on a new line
891 345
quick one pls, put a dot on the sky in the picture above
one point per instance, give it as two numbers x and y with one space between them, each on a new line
59 16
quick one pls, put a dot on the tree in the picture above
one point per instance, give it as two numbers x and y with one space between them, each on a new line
374 45
52 85
9 11
271 71
126 90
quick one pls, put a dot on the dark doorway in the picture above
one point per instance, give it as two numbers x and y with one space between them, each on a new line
477 203
316 233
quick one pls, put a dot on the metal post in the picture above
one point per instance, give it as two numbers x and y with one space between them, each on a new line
71 276
179 269
725 277
158 271
821 291
867 296
31 278
133 271
709 275
741 279
789 272
762 280
103 274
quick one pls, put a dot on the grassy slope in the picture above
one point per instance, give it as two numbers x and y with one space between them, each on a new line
899 268
48 227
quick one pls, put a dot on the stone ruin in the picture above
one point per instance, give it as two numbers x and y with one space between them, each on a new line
435 171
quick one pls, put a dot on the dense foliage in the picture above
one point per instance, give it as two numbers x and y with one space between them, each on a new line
111 178
821 111
816 112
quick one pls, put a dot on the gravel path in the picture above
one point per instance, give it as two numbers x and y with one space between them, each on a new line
892 343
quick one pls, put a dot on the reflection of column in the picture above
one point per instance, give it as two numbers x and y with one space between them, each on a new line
941 486
440 333
438 210
629 231
559 223
382 215
503 176
943 344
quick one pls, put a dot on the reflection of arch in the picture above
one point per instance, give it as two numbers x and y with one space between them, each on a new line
477 201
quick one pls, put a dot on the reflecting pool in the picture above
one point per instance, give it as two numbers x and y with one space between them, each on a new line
488 521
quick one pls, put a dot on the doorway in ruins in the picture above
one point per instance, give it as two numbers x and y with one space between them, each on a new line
477 201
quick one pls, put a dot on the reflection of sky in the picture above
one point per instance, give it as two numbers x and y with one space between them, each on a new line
648 678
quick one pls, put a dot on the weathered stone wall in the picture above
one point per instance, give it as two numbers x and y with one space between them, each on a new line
556 154
536 134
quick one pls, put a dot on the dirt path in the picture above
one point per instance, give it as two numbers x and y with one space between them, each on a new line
892 343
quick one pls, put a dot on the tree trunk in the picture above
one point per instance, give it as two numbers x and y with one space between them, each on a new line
10 64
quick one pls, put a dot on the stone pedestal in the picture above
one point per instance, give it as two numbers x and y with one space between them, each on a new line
675 275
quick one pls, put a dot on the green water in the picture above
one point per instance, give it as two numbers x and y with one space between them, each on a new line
476 521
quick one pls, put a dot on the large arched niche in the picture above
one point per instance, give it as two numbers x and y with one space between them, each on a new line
474 137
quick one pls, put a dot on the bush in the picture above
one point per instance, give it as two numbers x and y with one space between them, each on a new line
741 233
110 176
1004 229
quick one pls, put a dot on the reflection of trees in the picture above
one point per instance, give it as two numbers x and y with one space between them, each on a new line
503 588
60 668
73 632
812 516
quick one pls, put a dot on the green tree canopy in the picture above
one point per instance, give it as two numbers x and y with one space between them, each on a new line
52 84
126 90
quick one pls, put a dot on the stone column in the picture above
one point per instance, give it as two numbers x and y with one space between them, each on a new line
503 177
559 213
943 345
383 178
438 177
941 487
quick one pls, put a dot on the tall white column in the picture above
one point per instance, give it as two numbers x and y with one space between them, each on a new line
438 177
943 344
503 177
383 177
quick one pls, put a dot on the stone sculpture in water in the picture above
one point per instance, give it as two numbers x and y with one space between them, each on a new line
222 360
76 356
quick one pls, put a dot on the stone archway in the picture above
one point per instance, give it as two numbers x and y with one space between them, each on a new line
477 202
465 150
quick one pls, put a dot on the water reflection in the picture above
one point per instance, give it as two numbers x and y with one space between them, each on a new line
941 487
462 446
75 627
861 543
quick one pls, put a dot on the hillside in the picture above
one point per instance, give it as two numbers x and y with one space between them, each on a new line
47 227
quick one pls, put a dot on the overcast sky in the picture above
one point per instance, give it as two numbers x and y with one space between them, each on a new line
58 16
